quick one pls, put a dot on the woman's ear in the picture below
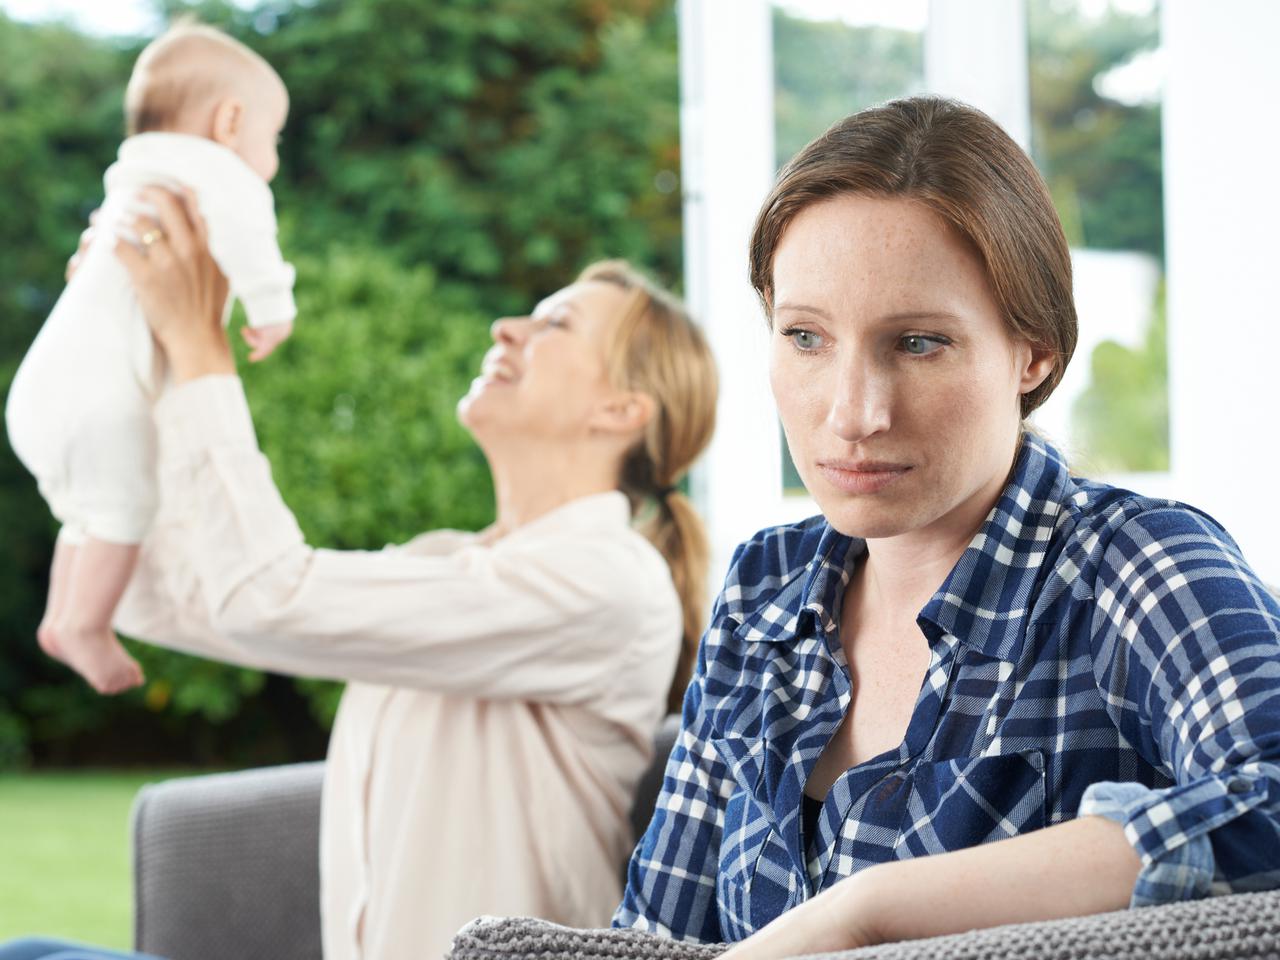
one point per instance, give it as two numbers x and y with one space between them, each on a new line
228 119
626 412
1035 363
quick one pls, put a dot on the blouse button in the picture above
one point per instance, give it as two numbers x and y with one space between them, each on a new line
1238 786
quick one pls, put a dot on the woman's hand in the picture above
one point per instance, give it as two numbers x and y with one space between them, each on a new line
178 284
842 917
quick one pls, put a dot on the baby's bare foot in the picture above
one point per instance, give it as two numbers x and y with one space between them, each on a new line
95 655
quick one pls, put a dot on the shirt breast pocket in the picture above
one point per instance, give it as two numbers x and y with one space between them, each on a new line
961 803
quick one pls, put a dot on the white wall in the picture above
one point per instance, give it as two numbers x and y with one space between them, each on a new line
1222 237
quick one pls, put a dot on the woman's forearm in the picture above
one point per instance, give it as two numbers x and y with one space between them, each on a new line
1077 868
192 357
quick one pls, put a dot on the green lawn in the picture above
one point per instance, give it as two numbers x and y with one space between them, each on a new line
64 855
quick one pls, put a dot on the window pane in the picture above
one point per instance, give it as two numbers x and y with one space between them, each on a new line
1095 113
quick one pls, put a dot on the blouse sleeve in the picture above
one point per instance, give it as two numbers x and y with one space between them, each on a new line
1186 644
234 579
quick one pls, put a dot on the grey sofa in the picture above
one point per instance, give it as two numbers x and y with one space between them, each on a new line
226 866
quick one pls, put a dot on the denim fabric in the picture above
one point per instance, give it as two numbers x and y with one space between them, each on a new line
39 948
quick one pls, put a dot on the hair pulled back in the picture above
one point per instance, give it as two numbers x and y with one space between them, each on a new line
661 352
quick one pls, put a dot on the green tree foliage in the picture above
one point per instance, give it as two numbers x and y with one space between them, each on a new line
443 163
826 70
1123 418
1102 160
504 142
1100 157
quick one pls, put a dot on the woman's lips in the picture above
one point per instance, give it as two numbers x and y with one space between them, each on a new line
495 371
862 477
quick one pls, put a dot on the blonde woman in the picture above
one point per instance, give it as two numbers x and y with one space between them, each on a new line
503 687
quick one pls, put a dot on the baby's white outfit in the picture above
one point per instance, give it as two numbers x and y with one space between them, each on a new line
79 408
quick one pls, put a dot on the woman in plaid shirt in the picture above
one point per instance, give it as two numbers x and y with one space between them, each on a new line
976 690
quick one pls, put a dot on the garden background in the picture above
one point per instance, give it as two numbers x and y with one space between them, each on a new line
444 163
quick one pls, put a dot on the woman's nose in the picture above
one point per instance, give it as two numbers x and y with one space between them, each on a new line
509 330
860 405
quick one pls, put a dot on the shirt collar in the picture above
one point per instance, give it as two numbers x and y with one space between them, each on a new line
594 512
984 600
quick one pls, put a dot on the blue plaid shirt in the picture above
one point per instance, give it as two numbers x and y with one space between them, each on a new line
1093 652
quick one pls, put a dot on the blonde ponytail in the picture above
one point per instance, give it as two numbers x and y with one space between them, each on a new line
675 528
660 351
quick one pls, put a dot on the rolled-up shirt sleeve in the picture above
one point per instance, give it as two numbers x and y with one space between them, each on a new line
1186 644
228 574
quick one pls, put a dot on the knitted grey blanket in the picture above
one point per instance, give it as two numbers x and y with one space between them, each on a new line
1238 927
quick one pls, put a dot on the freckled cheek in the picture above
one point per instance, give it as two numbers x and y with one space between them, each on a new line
954 400
799 389
959 418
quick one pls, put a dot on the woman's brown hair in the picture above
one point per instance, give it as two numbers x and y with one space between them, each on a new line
959 163
661 352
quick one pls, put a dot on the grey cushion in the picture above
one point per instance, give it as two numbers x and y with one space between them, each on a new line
1238 927
228 866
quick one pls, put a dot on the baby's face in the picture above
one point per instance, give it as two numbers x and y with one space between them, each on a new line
264 117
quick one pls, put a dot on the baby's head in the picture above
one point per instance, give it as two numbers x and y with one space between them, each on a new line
197 80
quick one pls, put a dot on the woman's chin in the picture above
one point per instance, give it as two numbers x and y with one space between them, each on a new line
869 517
469 410
481 413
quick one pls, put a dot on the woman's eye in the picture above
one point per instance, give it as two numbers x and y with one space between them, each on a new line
547 323
919 346
803 339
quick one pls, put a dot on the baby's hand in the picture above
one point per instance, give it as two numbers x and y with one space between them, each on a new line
263 340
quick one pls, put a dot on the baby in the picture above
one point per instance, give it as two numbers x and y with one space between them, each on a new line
205 112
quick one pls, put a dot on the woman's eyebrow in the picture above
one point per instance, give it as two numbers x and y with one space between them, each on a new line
896 317
920 315
542 309
802 308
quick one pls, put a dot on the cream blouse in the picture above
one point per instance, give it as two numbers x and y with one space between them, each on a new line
501 698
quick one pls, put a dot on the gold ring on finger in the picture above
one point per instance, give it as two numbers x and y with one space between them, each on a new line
150 237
